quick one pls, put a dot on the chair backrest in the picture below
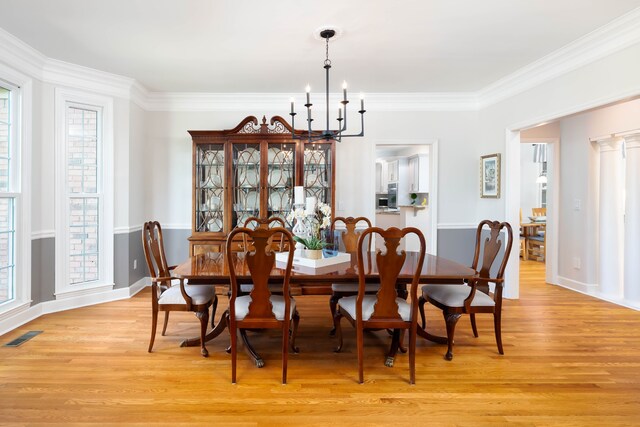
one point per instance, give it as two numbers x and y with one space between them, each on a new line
538 211
350 236
390 264
490 250
154 249
264 223
260 261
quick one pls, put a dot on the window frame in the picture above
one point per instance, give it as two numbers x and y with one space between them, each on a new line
65 98
20 188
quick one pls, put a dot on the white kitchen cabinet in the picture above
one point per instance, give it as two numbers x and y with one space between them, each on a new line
381 184
419 173
393 171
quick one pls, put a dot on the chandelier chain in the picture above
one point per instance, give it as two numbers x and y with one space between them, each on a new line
327 61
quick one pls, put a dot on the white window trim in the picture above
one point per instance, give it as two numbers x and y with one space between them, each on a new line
22 192
63 289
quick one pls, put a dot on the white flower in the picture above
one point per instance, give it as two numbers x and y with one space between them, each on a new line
325 209
326 222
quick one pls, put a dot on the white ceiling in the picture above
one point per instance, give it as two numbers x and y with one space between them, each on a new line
269 46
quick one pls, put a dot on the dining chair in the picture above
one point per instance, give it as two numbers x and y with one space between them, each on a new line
349 237
265 223
383 310
538 211
474 297
164 296
261 309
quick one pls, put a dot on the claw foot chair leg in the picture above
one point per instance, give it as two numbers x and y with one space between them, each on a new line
451 320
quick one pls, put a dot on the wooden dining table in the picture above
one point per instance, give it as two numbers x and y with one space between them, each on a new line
213 268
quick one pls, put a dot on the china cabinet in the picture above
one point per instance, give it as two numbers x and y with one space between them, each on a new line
250 171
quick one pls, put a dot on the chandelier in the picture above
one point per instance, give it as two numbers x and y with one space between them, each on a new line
328 133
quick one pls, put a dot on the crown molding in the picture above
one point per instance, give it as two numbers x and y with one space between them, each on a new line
19 55
606 40
185 101
76 76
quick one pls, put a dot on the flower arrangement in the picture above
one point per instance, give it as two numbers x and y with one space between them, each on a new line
312 221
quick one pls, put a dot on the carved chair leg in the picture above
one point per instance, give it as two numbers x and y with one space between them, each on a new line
285 350
234 349
472 316
294 332
166 321
204 321
214 307
360 344
401 346
154 324
451 319
336 322
412 354
333 304
421 303
497 324
393 350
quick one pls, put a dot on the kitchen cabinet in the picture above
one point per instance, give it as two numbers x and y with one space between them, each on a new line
251 170
393 171
381 177
419 173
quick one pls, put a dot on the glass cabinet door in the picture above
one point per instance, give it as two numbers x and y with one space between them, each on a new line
317 172
210 175
246 183
280 180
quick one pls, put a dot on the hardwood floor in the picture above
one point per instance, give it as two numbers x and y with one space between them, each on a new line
570 360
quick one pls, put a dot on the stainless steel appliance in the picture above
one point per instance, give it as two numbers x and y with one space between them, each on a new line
392 193
383 202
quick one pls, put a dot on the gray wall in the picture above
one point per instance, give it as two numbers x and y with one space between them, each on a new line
459 245
42 270
127 247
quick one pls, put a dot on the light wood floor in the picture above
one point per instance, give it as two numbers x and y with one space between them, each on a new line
570 360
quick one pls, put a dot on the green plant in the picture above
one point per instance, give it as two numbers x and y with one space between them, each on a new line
413 196
312 243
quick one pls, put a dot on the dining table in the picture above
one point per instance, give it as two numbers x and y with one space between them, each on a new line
213 268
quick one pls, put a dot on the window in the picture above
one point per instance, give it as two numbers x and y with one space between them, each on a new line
84 230
8 167
542 196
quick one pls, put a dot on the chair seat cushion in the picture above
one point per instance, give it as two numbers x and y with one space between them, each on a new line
454 295
353 287
277 303
368 302
200 294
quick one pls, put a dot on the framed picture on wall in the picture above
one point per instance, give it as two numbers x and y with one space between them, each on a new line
490 176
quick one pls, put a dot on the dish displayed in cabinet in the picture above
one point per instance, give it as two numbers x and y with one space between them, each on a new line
248 156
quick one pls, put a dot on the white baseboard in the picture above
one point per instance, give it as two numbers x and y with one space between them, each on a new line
25 316
592 291
585 288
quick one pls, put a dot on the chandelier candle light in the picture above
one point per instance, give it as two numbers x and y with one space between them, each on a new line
328 133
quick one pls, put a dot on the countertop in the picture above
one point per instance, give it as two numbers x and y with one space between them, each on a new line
387 212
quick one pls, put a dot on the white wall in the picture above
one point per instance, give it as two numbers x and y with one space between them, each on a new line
138 166
579 181
609 79
169 150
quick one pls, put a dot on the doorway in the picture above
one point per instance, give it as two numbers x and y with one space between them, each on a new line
537 181
406 188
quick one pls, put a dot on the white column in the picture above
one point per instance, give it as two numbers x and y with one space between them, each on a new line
611 217
632 220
